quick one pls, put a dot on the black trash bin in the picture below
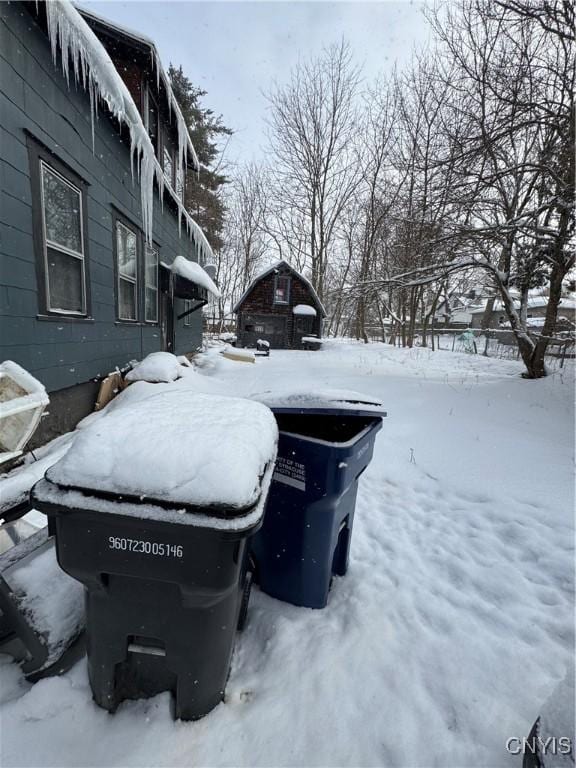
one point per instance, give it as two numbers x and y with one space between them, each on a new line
164 578
326 441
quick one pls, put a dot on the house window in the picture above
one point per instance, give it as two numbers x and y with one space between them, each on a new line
168 161
62 228
168 165
254 328
282 289
127 267
150 284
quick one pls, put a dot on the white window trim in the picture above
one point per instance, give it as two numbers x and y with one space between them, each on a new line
188 317
63 249
148 286
289 279
127 278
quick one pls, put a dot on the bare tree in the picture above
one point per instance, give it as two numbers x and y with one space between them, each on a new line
516 161
247 220
312 132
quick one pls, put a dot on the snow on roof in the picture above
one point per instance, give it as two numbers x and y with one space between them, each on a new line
176 446
194 272
461 316
533 303
173 105
273 268
304 309
70 34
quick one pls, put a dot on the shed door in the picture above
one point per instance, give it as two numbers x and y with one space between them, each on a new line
303 326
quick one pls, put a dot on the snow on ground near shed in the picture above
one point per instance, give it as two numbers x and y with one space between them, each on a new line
452 627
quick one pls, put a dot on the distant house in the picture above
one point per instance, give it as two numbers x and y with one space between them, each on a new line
279 306
537 306
451 310
91 139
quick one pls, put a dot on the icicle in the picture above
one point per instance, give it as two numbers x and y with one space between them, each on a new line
132 150
67 28
92 111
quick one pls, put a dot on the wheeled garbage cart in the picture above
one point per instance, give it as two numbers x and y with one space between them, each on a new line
152 509
326 442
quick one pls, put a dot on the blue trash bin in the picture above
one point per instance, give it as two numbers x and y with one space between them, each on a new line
323 449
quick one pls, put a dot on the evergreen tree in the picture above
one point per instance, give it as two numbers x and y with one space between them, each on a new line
203 195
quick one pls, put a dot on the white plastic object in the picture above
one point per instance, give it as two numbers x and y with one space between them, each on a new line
22 403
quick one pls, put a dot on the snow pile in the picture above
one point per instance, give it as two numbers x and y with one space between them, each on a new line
204 450
304 310
156 367
94 67
239 354
263 343
192 271
15 485
52 601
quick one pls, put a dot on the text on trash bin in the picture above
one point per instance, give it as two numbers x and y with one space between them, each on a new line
146 547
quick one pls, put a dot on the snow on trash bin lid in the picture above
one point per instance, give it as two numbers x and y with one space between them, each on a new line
175 447
320 401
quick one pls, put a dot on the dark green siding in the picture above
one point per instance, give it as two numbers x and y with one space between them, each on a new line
35 97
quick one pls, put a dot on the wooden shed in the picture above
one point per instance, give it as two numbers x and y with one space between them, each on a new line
279 306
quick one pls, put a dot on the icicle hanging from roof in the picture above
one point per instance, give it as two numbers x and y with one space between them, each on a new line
96 71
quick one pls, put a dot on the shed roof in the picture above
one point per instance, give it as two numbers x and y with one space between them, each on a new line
274 268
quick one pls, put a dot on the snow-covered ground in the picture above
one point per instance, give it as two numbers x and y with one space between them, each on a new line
452 627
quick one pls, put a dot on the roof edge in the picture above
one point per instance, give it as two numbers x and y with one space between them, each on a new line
268 271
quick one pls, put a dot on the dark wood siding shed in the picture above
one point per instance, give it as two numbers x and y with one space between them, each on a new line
279 306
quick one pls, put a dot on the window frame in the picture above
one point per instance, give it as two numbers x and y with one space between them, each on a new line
155 249
288 291
39 157
188 317
118 219
170 149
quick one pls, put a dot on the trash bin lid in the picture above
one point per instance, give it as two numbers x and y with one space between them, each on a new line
207 453
327 402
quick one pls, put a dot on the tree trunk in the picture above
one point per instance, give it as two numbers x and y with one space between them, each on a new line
537 367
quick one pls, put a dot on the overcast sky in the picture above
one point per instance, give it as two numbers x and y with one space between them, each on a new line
235 50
